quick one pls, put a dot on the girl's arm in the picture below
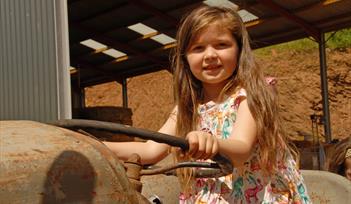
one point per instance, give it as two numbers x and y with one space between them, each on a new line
239 145
150 152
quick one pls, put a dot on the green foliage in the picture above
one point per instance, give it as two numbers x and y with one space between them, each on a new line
339 39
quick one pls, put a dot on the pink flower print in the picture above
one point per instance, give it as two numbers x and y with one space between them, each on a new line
281 165
255 166
206 129
271 81
200 182
252 192
183 198
224 188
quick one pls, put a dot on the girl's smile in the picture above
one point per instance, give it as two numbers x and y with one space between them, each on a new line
212 56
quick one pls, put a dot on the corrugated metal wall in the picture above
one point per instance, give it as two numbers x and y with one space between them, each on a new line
30 77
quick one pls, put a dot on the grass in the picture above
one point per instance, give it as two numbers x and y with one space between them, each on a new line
339 39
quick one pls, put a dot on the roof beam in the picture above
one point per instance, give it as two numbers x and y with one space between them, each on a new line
151 10
247 6
141 39
141 71
108 76
72 1
78 59
156 12
279 37
86 66
315 33
103 12
118 45
261 20
94 81
344 21
252 24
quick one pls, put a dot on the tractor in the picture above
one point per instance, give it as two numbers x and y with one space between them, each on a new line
59 162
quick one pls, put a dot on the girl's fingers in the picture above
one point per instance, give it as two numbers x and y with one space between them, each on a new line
215 148
193 143
209 146
202 146
180 152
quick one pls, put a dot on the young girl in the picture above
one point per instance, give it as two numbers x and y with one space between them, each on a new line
224 105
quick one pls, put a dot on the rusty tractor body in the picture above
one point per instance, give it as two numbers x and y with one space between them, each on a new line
42 163
47 164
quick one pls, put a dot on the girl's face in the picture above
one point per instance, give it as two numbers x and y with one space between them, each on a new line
347 166
212 56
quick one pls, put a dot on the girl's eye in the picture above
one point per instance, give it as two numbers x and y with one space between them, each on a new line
197 48
222 45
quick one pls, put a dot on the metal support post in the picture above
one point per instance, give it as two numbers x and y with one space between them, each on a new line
324 87
124 92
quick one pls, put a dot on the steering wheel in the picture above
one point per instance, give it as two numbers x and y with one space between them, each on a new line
220 167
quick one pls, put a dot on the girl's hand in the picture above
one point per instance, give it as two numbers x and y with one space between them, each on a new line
202 145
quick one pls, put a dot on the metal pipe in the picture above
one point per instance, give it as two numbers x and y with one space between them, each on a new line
324 87
124 92
211 169
123 129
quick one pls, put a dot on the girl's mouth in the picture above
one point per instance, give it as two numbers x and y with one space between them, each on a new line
212 67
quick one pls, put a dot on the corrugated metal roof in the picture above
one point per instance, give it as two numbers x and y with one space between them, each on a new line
268 22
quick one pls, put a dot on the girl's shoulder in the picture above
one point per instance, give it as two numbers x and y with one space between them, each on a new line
238 95
239 92
233 99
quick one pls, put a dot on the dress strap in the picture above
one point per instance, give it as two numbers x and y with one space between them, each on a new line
238 97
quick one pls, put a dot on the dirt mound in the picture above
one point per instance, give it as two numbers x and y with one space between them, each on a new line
151 96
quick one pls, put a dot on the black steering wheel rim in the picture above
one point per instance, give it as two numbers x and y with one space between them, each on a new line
224 164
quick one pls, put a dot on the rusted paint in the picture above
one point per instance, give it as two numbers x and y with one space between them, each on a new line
40 163
133 166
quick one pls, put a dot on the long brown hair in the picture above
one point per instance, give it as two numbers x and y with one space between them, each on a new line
336 159
248 75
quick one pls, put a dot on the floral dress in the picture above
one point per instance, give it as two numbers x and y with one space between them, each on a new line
246 185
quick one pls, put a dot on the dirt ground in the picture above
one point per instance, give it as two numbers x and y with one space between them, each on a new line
151 97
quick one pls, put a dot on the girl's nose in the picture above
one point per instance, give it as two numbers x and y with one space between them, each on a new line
210 53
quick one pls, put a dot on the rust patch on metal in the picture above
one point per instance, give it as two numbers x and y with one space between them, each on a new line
42 163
